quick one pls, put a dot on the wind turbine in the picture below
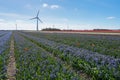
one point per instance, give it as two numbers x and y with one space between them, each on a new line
38 19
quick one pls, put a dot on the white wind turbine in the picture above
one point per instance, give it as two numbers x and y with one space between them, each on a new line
38 19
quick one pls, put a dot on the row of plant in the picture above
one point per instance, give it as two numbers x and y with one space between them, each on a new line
34 63
96 65
3 40
4 51
2 33
103 44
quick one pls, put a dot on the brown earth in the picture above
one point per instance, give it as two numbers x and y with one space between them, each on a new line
11 68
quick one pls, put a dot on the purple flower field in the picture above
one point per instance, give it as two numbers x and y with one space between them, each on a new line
61 56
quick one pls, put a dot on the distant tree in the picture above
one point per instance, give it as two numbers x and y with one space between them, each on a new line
51 29
101 29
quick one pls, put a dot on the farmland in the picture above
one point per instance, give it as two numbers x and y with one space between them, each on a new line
61 56
4 50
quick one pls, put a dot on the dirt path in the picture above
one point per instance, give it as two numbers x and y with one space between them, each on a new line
11 69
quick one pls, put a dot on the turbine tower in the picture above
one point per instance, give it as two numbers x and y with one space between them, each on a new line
38 19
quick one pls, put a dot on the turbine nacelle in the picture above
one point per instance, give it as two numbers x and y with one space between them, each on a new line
38 19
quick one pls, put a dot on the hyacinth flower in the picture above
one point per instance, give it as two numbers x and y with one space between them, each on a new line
4 50
37 63
3 40
100 61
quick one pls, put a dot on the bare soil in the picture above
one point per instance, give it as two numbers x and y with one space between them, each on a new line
11 68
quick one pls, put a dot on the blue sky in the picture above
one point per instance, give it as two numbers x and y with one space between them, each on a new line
64 14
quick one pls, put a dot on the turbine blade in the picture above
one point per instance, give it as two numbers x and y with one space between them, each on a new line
40 20
33 18
37 13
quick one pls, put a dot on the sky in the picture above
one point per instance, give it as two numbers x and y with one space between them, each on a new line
62 14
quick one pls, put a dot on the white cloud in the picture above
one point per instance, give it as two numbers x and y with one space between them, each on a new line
54 6
111 17
8 21
45 5
31 25
65 20
24 23
14 16
21 25
2 20
9 14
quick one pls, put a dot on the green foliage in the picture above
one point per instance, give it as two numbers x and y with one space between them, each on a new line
96 71
35 63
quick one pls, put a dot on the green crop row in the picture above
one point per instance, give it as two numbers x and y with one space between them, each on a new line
108 45
33 63
95 71
4 56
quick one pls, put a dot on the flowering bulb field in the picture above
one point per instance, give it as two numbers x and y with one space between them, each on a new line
61 56
4 50
104 44
34 63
